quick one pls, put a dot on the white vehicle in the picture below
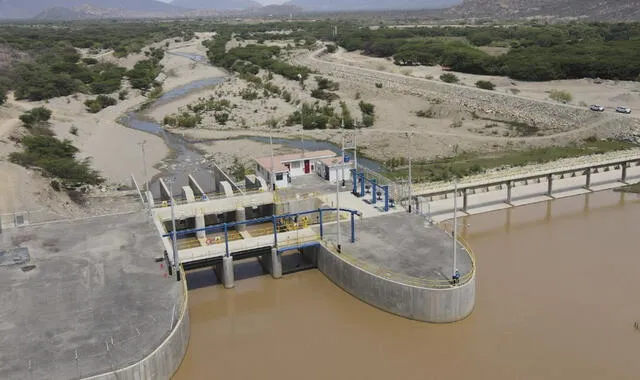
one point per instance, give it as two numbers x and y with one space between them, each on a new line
597 108
622 109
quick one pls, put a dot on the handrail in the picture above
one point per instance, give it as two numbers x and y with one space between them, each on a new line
511 174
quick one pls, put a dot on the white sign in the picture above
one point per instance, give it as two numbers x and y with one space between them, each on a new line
349 140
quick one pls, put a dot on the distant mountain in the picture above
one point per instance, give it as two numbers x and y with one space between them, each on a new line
15 9
355 5
273 10
89 12
218 5
622 10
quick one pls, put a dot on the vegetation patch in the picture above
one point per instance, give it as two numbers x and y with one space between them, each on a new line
57 159
462 165
98 104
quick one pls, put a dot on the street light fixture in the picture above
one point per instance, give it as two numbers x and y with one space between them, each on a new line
302 126
343 155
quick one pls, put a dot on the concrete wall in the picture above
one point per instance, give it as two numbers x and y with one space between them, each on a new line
164 361
423 304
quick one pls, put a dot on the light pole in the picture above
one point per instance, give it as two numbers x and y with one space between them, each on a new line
174 242
409 145
342 136
273 176
144 165
338 208
302 127
455 228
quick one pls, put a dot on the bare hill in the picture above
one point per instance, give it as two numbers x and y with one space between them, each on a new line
16 9
219 5
623 10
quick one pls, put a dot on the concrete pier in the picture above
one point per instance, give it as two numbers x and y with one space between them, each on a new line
404 267
201 235
227 272
276 263
241 216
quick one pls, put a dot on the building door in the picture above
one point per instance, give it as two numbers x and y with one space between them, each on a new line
307 167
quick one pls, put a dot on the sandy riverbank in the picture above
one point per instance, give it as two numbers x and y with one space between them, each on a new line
114 149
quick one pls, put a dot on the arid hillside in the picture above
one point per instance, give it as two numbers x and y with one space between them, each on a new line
511 9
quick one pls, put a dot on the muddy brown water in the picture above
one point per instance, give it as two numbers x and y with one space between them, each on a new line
558 291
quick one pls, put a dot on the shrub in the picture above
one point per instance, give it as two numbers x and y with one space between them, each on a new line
331 48
367 120
324 95
326 84
378 85
122 95
73 130
221 117
485 85
449 78
426 113
98 104
560 96
35 116
248 94
366 108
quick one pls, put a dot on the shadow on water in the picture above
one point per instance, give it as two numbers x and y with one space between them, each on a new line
292 261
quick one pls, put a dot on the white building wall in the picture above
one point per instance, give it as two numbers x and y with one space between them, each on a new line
296 168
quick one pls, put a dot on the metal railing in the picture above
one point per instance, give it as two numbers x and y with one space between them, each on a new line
515 173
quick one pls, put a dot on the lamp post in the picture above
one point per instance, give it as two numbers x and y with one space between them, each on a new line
273 176
144 165
338 208
174 242
409 145
342 136
455 229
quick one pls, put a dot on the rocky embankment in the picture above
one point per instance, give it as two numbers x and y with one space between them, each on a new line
549 117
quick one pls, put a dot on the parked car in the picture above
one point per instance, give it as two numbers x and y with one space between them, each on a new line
597 107
622 109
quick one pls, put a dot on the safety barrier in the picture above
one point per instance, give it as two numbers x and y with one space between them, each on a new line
568 164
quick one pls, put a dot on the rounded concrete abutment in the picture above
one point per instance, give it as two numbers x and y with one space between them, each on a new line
442 304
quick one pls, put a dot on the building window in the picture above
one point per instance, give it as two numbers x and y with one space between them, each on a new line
295 165
278 176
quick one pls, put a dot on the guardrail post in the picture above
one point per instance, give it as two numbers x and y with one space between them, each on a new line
362 184
373 190
509 192
549 184
624 172
320 220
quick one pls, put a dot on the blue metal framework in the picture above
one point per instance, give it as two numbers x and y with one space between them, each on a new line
359 178
274 220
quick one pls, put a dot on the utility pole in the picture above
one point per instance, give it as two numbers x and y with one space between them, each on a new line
410 180
273 176
338 210
176 265
302 126
455 228
343 155
144 165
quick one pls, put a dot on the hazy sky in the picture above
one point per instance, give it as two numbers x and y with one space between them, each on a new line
263 2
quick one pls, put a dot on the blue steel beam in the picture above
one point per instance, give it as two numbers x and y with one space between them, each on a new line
272 218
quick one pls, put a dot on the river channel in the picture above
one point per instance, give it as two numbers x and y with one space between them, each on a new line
556 299
185 159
